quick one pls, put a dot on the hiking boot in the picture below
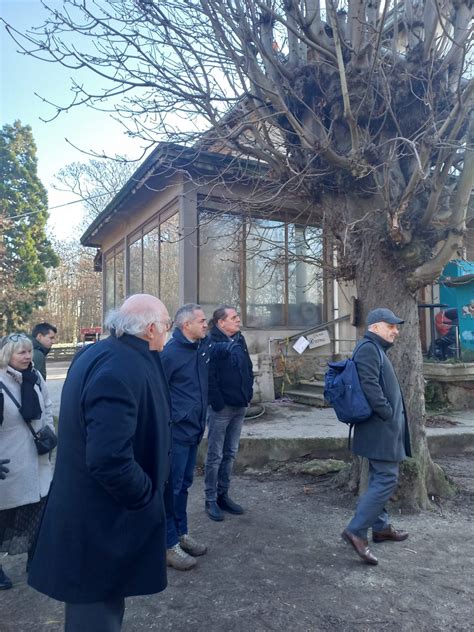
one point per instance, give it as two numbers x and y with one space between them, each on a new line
179 559
5 581
213 511
189 545
226 504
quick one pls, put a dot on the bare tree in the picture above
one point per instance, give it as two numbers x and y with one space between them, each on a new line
73 292
360 111
95 182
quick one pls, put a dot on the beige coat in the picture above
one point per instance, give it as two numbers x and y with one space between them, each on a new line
30 474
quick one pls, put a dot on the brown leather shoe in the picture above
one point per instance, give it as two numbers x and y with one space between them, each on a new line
389 533
360 546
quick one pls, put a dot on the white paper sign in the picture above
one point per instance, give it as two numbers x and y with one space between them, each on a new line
319 339
301 344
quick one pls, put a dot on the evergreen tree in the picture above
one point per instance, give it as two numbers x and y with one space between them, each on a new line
25 251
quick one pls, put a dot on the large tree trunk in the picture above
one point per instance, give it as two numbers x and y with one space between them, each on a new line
380 284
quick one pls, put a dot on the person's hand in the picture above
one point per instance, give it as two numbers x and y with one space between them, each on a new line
3 469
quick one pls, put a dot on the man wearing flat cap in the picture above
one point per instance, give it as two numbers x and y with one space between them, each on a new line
383 438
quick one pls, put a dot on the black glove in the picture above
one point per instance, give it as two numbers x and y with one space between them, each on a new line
3 469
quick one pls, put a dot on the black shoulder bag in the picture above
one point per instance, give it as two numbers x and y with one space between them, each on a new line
45 439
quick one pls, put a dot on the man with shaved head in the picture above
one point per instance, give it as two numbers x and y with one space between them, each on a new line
102 537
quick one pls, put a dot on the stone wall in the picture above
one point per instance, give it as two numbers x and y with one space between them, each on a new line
263 386
450 384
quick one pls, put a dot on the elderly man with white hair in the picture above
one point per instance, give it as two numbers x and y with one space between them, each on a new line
102 537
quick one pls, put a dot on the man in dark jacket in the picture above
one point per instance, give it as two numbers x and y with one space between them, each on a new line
384 438
102 536
230 392
43 337
185 361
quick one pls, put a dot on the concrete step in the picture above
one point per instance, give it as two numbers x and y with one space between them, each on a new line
308 397
316 385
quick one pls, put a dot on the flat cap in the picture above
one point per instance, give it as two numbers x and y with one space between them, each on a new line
382 314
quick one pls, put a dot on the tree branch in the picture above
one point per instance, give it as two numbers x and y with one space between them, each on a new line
430 270
348 115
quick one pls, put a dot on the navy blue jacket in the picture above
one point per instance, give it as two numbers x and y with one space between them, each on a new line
186 365
103 531
385 435
230 375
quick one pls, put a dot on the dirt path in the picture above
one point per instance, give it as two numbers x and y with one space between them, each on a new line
283 567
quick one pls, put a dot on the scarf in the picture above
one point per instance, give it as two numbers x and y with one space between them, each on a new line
30 408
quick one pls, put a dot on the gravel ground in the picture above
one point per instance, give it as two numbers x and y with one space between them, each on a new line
282 566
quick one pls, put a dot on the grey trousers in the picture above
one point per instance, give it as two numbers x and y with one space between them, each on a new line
223 439
100 616
371 512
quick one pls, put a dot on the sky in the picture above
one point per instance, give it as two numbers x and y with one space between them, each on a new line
21 77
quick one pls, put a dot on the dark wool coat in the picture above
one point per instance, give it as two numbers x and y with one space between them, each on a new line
39 357
230 375
385 435
103 531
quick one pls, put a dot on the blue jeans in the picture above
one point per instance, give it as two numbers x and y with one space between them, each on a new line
183 461
371 512
223 439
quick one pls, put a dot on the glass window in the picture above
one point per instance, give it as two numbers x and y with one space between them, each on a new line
169 264
151 260
135 267
265 273
114 280
305 282
270 269
119 278
219 260
109 277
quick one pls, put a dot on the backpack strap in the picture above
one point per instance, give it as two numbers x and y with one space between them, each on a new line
364 342
351 426
379 351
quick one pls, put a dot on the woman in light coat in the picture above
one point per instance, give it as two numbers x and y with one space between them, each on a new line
23 493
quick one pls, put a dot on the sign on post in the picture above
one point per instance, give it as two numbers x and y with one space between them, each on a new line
318 339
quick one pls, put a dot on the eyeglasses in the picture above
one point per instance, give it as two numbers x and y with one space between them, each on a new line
12 338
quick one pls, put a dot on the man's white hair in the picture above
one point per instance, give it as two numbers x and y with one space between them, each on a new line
132 323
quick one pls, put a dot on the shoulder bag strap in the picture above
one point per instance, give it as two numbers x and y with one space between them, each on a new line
10 395
17 404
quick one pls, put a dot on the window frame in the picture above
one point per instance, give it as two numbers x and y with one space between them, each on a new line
139 233
286 218
111 257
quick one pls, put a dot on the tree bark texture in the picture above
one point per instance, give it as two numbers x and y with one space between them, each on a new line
381 283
